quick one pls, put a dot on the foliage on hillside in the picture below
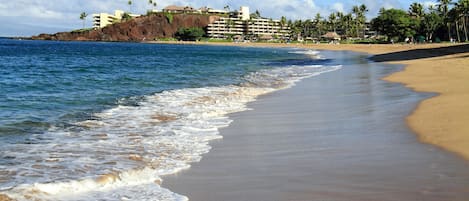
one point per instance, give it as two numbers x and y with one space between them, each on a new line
190 34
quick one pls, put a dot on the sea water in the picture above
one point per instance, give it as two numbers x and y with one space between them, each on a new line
103 121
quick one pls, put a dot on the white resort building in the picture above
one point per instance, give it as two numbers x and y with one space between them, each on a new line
101 20
240 23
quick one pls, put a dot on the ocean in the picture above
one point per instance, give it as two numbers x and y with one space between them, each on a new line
104 121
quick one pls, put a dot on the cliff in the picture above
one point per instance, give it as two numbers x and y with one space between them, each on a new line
138 29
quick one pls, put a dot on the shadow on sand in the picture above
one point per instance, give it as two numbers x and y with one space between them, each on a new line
421 53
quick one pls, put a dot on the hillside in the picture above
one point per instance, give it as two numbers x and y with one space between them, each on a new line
137 29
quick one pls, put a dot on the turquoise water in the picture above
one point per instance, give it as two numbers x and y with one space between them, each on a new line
89 121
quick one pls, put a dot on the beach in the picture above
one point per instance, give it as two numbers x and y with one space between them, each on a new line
285 122
337 136
442 69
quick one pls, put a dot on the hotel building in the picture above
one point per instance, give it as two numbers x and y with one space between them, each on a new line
103 19
240 23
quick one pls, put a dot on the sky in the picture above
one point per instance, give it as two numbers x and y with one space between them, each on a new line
32 17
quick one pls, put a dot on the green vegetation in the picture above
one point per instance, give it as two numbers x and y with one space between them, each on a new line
126 17
218 40
448 20
190 34
169 16
165 39
83 16
82 30
350 25
395 24
130 5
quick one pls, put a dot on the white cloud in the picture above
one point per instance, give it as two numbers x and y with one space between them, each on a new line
294 9
65 13
12 9
429 4
338 7
388 5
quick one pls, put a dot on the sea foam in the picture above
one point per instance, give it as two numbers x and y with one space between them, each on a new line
121 153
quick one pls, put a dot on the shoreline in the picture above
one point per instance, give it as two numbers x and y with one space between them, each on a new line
346 140
439 120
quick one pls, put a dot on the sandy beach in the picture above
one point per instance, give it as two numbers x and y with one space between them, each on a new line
340 136
437 68
346 135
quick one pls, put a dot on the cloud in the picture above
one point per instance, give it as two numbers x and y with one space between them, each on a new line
61 13
428 4
338 7
294 9
11 9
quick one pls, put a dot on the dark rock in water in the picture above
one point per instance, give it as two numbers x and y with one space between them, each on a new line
137 29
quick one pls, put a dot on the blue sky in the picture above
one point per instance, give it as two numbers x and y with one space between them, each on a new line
31 17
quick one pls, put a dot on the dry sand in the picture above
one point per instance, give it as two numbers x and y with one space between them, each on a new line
440 68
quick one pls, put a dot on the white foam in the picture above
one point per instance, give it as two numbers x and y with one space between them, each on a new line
135 145
308 52
311 53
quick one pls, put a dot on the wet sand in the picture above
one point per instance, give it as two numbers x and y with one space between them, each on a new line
441 68
340 136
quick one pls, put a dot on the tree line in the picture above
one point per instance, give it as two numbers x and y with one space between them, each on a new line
348 25
447 20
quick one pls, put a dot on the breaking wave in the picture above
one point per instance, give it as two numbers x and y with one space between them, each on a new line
121 153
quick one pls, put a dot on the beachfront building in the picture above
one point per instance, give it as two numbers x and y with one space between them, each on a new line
239 23
101 20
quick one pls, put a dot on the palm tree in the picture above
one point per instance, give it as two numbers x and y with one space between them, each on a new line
356 12
453 16
333 21
416 10
130 5
443 7
227 8
296 29
83 16
307 25
348 21
340 21
318 24
462 7
363 11
430 23
153 3
283 21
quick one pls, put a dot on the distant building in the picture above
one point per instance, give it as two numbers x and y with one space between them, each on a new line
188 9
101 20
211 11
240 23
178 9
